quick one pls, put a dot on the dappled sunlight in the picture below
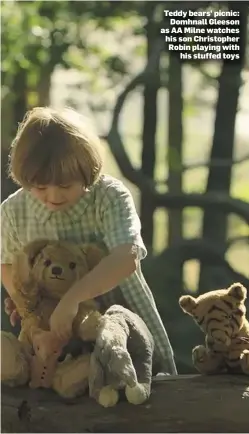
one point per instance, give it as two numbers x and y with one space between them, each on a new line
108 61
191 272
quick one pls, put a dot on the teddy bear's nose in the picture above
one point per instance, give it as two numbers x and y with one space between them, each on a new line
57 271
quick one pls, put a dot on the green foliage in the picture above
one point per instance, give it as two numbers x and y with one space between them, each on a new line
35 35
40 32
39 36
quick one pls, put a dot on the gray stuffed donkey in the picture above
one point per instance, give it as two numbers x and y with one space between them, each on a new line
122 358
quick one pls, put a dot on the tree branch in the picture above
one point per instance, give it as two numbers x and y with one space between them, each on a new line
240 239
113 137
219 162
208 164
204 251
222 203
181 403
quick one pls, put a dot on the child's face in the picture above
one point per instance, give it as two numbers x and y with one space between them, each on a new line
58 198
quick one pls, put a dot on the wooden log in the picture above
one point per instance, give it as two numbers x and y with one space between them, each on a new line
177 404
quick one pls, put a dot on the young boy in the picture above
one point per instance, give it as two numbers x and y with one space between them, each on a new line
56 161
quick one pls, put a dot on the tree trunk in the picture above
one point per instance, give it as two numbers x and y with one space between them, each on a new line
177 404
149 135
43 88
20 106
175 144
219 179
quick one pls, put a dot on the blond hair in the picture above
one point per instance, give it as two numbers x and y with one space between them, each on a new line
54 147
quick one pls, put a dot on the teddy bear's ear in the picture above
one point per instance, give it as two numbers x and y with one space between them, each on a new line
187 303
238 291
24 260
94 254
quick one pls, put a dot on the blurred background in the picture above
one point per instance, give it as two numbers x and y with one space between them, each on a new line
176 133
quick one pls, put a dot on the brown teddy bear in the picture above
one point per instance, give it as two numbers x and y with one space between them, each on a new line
42 273
221 315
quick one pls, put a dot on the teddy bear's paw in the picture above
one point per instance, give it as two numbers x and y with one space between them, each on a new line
138 394
244 361
14 364
108 397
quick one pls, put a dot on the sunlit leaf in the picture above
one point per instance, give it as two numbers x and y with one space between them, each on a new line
32 99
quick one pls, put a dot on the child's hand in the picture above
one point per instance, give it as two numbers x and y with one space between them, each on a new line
62 318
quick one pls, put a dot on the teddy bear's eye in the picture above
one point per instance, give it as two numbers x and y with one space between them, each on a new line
72 265
47 262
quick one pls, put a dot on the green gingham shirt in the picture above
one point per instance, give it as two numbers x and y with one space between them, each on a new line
106 213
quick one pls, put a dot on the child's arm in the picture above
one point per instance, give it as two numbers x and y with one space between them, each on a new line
6 278
108 274
7 281
9 306
8 250
120 226
9 246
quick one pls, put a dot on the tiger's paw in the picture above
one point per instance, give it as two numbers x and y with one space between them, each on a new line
244 362
207 362
201 359
218 343
199 355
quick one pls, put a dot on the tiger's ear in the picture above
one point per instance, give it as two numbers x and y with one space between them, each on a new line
238 291
187 303
94 254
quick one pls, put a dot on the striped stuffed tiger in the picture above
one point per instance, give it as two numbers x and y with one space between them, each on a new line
221 315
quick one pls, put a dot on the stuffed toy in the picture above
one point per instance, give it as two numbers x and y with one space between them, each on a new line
121 359
42 273
221 315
